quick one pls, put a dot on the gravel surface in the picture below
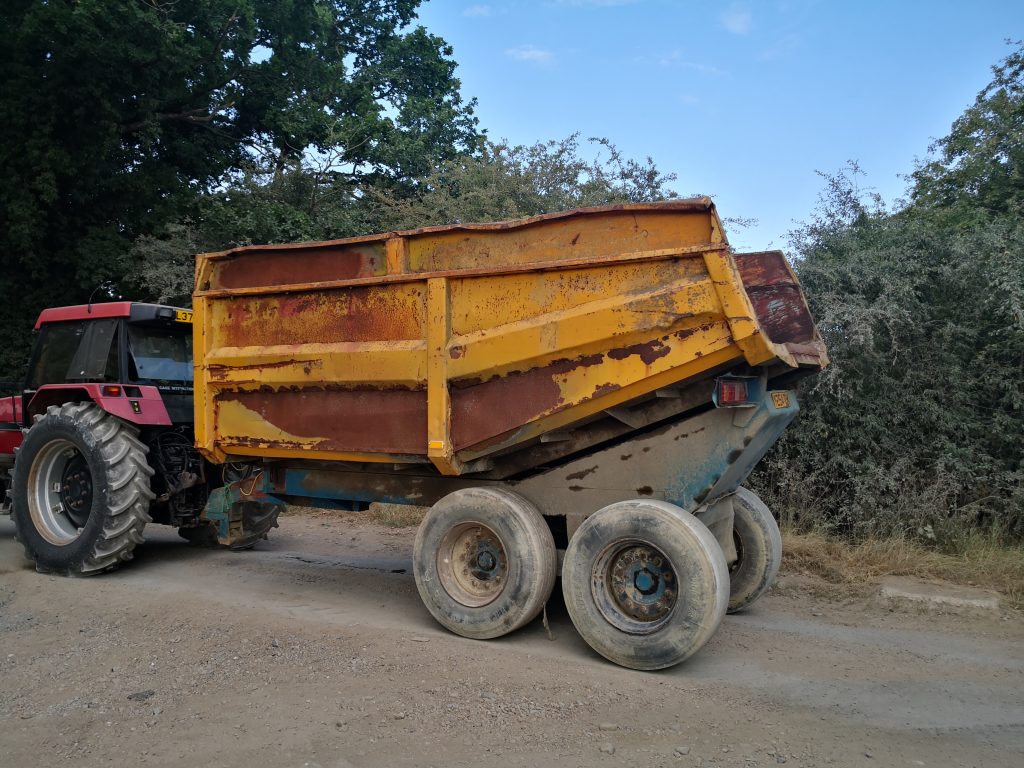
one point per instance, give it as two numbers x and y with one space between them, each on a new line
313 650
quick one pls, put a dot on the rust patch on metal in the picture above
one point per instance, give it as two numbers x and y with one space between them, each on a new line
310 265
581 474
561 366
482 410
648 351
496 406
605 389
384 421
361 314
776 296
457 351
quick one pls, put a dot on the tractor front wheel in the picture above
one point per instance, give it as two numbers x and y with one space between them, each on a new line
81 490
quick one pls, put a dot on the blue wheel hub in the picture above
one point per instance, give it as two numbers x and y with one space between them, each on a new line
643 583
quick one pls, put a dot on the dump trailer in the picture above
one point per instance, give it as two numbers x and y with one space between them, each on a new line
583 391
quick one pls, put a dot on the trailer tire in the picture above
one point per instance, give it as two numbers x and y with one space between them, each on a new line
81 490
484 562
645 583
758 549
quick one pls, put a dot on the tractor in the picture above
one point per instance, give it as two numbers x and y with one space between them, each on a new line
97 442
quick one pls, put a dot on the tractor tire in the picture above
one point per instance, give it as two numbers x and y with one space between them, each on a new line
645 583
484 562
81 490
758 549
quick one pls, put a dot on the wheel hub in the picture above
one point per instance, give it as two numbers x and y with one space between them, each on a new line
60 492
635 586
472 564
642 586
76 490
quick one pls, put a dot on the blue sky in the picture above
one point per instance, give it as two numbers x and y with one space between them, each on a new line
744 101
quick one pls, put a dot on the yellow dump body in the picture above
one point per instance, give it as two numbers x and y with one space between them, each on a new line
449 344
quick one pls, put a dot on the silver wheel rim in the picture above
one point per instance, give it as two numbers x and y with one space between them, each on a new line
58 501
472 564
634 586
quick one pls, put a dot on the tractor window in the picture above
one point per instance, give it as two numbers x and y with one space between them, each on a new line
92 359
160 354
55 350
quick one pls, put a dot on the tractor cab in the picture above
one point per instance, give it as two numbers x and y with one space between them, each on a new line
138 352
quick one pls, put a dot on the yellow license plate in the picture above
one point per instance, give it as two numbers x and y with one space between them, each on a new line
183 316
780 399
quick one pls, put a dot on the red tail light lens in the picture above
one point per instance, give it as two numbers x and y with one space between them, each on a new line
110 391
732 392
738 392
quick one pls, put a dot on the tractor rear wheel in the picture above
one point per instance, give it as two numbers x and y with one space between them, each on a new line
81 490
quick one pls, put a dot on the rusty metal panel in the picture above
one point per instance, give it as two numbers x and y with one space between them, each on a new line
325 421
449 344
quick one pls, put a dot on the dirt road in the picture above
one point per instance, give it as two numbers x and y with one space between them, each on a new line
314 650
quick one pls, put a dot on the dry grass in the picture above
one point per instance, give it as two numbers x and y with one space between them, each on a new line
981 562
396 515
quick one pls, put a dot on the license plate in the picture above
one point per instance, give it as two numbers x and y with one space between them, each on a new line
780 399
183 316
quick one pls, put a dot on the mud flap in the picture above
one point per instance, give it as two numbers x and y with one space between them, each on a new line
235 519
719 518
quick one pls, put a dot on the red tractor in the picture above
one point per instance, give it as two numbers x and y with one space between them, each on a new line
99 442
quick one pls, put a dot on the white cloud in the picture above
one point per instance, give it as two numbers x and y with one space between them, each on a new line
676 59
530 53
479 11
738 20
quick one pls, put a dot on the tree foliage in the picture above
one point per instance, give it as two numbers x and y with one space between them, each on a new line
917 426
311 201
116 117
980 165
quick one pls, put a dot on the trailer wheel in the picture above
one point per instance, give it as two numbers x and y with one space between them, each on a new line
758 547
484 562
645 583
81 490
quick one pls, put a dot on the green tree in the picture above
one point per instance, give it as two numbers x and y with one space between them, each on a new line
312 201
114 117
917 426
505 181
979 166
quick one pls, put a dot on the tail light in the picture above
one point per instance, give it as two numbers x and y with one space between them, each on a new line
735 392
111 391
